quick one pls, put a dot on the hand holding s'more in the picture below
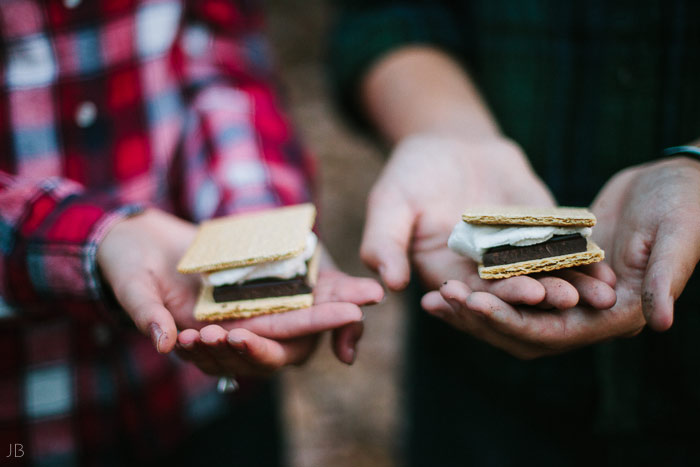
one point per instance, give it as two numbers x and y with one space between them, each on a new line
509 241
255 266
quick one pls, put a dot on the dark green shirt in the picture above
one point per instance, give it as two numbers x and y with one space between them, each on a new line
585 87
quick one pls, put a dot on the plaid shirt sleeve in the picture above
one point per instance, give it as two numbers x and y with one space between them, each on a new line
239 150
366 30
49 232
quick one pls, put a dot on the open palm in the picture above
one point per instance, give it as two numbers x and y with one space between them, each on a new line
138 259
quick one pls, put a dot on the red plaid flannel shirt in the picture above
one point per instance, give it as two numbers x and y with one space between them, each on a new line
107 106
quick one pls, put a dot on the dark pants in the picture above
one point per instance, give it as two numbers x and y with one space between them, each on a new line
247 433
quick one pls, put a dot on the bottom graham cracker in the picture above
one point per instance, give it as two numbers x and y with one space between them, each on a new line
502 271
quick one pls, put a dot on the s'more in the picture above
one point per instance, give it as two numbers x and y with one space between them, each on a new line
510 241
254 263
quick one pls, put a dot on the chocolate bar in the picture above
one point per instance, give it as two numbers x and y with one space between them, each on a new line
556 246
261 288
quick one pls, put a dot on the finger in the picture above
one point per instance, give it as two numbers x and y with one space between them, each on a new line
213 335
386 236
140 299
455 290
518 290
345 341
210 351
550 332
228 359
334 286
455 312
190 348
299 323
215 341
592 291
434 303
673 258
540 329
559 293
601 271
187 338
269 354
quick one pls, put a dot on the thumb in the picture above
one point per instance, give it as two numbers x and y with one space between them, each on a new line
674 254
345 341
387 235
143 304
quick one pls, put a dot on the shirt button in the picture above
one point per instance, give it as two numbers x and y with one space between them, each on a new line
71 3
86 114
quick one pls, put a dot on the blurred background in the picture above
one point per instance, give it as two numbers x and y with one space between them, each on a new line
336 415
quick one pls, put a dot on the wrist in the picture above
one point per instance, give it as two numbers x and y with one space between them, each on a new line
463 146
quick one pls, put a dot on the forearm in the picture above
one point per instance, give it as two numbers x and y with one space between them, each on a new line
419 89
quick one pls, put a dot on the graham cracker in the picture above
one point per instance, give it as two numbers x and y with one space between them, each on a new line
207 309
593 254
251 238
530 215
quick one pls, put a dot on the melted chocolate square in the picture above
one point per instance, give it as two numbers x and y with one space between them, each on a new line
262 288
555 246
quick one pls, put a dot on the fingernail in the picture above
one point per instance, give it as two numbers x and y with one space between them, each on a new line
156 335
189 346
353 355
454 304
239 345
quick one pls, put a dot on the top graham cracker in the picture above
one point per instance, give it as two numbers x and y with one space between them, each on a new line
251 238
530 215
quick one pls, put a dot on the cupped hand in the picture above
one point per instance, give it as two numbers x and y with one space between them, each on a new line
649 226
138 258
263 344
528 331
426 185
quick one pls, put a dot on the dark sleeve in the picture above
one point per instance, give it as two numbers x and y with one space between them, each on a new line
366 30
